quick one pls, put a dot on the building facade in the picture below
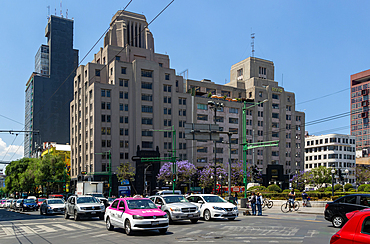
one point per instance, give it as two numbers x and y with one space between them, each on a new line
360 85
49 90
274 118
332 151
129 92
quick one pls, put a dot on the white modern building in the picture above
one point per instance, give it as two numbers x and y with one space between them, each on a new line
333 150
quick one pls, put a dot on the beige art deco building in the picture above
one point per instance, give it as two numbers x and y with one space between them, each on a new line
128 91
275 119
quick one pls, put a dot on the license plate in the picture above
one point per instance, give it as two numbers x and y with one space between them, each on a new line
155 223
190 215
93 212
229 213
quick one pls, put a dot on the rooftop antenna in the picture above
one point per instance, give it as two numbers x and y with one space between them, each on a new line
61 13
282 80
48 7
67 14
252 44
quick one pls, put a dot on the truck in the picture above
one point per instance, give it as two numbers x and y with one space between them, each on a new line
92 188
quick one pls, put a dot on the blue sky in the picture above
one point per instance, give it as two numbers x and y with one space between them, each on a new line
315 46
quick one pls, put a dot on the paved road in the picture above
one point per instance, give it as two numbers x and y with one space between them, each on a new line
270 228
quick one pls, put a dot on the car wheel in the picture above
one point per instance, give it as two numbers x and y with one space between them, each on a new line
162 231
128 227
76 216
207 215
338 221
231 219
169 217
108 224
194 221
23 210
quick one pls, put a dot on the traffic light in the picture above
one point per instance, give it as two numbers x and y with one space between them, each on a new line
174 177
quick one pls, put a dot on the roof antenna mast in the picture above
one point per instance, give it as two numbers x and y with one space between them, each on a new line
48 7
61 10
252 44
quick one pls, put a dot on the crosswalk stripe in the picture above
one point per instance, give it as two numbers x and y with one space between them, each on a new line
62 227
27 229
8 231
94 225
46 228
79 226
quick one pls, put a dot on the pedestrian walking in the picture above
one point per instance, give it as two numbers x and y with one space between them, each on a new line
259 202
253 201
304 198
236 198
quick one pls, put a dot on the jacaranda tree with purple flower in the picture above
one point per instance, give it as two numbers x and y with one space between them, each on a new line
185 170
207 174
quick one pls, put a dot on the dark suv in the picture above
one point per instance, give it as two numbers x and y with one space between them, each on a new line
335 211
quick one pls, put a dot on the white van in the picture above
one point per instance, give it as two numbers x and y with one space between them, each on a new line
169 192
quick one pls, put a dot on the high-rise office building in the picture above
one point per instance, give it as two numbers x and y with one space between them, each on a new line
49 90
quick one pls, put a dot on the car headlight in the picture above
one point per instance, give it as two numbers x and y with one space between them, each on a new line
82 208
175 209
50 207
165 216
197 209
137 217
235 208
218 208
102 207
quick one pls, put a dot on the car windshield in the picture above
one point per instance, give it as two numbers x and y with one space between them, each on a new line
141 204
29 201
111 198
173 199
56 201
20 200
41 199
87 200
96 195
213 199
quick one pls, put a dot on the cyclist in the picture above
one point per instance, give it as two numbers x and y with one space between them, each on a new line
291 196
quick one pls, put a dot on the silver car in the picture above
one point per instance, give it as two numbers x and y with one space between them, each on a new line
177 207
52 206
83 206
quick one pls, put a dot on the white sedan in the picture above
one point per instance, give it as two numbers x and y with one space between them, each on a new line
213 206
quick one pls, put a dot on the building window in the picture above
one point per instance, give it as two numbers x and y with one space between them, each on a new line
262 72
202 149
103 118
275 115
202 117
147 144
146 73
147 121
126 120
275 96
97 72
146 109
146 133
167 76
121 131
126 83
118 58
202 106
120 82
120 94
146 85
146 97
121 119
275 106
234 141
108 118
126 132
126 107
233 120
123 70
121 106
233 110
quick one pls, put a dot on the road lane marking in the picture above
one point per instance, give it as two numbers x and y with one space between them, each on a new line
79 226
27 229
8 231
46 228
193 232
63 227
99 235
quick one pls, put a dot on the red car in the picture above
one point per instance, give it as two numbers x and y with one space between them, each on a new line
39 201
356 230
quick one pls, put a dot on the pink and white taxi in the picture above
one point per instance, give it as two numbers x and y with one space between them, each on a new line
135 214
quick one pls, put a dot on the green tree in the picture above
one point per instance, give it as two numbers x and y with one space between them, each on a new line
126 172
274 188
319 176
348 186
362 174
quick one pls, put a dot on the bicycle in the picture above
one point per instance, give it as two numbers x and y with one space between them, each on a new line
267 203
287 207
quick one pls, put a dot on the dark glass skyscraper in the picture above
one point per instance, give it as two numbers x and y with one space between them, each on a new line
49 90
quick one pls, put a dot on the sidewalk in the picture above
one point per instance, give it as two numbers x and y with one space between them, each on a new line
317 208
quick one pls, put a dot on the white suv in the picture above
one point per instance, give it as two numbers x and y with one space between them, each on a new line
213 206
87 206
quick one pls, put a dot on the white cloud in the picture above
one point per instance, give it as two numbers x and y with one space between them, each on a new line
9 151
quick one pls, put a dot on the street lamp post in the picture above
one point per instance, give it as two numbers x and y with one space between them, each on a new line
215 105
220 177
332 182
